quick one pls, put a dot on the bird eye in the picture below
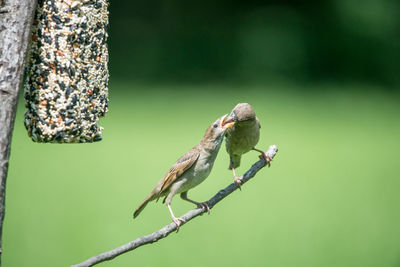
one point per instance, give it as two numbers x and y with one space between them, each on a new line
215 125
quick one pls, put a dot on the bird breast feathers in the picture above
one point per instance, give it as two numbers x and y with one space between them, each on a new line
242 139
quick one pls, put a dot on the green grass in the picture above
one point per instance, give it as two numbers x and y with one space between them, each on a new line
331 197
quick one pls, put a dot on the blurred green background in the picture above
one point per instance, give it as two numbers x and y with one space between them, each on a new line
323 79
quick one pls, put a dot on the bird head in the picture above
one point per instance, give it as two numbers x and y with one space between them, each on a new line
215 132
241 113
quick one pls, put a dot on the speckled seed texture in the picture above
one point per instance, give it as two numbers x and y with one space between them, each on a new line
67 75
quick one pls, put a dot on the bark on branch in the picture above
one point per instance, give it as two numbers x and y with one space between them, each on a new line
166 230
15 27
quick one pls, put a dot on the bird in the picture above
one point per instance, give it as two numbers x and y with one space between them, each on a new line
190 170
242 137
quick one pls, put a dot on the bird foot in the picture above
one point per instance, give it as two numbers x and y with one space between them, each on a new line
238 181
267 158
178 222
204 206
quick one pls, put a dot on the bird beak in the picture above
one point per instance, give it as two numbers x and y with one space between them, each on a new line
227 122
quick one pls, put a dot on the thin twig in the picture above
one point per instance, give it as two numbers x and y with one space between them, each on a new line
166 230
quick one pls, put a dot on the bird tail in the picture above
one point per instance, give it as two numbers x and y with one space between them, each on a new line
234 162
143 205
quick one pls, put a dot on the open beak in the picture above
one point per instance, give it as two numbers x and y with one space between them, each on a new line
227 122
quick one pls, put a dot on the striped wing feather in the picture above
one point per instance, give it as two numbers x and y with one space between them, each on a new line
179 168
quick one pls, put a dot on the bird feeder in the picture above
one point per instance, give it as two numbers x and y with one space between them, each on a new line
67 73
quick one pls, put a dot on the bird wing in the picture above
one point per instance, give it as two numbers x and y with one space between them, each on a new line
258 122
182 165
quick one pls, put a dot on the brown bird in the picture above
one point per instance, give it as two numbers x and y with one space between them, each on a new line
242 137
190 170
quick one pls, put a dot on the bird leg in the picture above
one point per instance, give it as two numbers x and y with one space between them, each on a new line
237 180
203 205
265 156
177 221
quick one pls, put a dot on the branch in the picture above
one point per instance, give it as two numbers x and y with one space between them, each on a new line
166 230
15 27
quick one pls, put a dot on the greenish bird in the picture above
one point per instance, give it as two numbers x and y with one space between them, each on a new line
242 137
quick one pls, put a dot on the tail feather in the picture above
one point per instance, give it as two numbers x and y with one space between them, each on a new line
142 206
234 162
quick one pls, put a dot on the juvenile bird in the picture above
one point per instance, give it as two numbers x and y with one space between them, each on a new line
190 170
243 136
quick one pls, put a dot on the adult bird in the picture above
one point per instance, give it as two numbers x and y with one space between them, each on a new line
242 137
190 170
